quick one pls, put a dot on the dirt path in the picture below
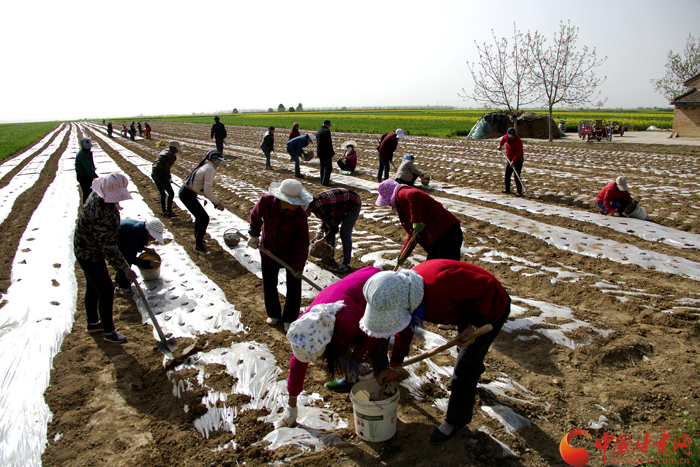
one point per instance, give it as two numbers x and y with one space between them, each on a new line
117 405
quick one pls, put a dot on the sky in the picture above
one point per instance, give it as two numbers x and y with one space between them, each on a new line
84 59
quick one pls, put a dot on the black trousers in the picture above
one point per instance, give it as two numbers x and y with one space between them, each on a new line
518 166
162 181
85 186
270 272
448 245
408 182
326 169
201 218
345 166
220 145
99 293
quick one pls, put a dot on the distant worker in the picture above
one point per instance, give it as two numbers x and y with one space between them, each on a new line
437 229
85 167
124 130
132 131
387 146
133 237
109 129
614 198
295 132
325 152
218 132
160 173
348 161
140 129
268 145
408 172
295 147
148 130
514 154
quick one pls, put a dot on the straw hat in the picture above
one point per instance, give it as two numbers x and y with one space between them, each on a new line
291 191
349 143
391 297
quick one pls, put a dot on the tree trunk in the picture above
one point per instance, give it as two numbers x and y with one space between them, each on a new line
550 124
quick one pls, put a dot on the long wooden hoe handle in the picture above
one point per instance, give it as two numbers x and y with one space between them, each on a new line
404 253
313 284
463 336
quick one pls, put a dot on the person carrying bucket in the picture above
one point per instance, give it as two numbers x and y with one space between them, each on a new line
96 239
133 237
614 198
333 319
437 229
440 291
278 225
295 148
514 154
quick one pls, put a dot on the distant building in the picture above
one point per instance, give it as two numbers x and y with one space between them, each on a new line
686 113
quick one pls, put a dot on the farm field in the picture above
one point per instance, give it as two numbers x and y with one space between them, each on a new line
437 122
603 336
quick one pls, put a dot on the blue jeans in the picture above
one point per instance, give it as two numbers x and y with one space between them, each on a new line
383 166
295 158
267 153
346 226
619 207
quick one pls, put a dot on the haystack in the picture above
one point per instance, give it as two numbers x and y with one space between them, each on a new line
530 125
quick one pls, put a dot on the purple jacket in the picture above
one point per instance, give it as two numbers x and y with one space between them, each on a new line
285 233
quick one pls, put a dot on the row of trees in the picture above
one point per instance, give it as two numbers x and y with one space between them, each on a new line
528 71
281 108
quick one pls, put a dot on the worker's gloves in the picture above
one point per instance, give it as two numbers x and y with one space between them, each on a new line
353 371
289 417
131 275
297 274
418 226
254 242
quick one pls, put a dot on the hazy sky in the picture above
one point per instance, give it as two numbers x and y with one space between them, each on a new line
89 59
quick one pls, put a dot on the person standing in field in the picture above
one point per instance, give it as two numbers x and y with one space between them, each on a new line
148 130
218 132
199 182
132 131
438 230
162 177
348 161
109 129
387 146
514 153
85 167
268 145
140 129
295 147
278 224
338 209
324 149
295 132
96 239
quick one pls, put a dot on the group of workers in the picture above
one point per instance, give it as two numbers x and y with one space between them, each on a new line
351 321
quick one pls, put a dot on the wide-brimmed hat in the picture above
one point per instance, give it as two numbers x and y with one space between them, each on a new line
112 188
176 145
85 143
291 191
387 192
400 134
391 297
156 229
312 331
311 137
621 183
349 143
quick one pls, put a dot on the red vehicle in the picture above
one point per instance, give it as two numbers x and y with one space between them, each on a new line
598 130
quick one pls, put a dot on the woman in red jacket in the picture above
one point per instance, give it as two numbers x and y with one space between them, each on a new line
614 198
442 292
439 231
514 153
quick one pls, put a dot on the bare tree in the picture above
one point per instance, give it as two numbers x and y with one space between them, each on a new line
562 73
500 80
678 70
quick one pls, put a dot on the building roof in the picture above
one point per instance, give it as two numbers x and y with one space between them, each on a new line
691 97
693 82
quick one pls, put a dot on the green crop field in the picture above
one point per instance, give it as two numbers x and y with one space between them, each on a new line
442 123
17 136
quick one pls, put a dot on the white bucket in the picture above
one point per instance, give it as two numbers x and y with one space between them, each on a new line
638 213
375 415
150 274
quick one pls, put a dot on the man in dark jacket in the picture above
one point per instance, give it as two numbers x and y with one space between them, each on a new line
387 146
324 148
85 167
218 132
133 237
268 145
132 131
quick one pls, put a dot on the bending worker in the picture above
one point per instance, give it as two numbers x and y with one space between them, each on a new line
133 237
442 292
614 198
408 172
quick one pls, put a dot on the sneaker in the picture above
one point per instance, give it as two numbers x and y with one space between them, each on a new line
94 328
330 262
518 195
200 250
169 214
115 337
506 192
272 321
343 269
301 176
339 385
603 212
438 437
123 291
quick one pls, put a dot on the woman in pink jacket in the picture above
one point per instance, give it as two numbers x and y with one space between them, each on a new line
330 329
